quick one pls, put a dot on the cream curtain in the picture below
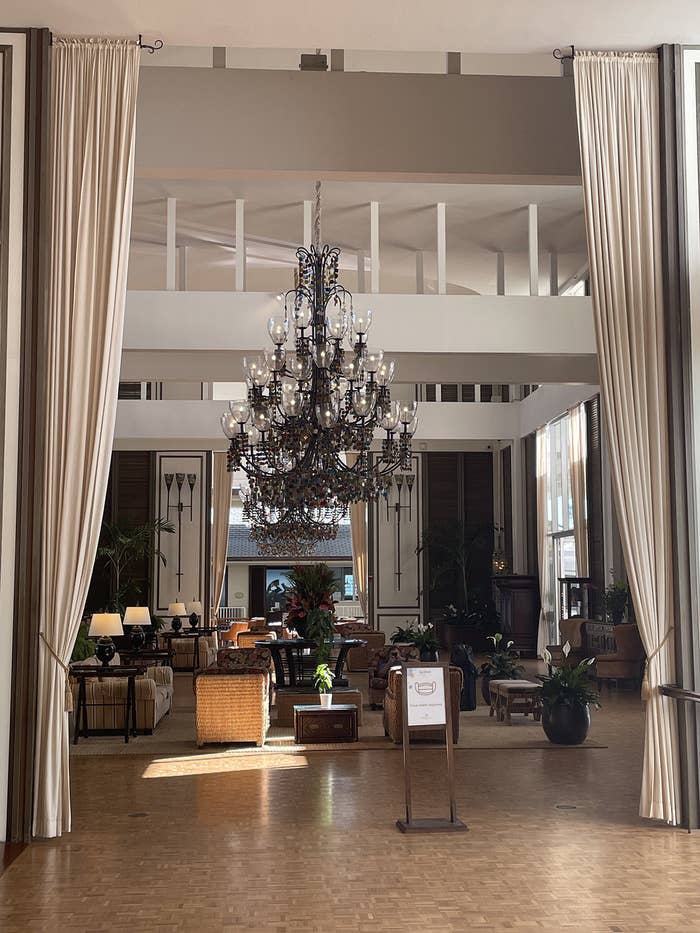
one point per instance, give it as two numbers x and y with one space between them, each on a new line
219 536
358 535
576 456
618 115
543 561
92 113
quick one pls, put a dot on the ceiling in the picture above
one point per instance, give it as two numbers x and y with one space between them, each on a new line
496 26
481 220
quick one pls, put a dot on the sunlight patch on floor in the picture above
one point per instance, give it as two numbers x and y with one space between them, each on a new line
220 764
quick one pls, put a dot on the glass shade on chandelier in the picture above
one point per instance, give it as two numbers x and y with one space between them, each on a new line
311 401
293 531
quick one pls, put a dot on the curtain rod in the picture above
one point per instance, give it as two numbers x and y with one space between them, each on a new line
156 47
561 57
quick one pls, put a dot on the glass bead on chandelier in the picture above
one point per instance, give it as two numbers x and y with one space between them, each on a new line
310 403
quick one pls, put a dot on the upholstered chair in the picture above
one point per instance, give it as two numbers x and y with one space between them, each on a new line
232 697
393 708
358 658
183 652
380 663
627 661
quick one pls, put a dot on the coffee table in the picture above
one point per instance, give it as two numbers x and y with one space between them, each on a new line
318 724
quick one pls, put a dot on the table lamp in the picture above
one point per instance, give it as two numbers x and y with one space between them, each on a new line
196 611
175 610
136 617
102 626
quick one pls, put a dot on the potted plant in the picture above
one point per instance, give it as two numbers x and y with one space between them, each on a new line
616 601
123 545
403 636
323 682
566 696
500 664
310 589
421 635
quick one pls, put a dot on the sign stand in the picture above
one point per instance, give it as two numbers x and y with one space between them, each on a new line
427 707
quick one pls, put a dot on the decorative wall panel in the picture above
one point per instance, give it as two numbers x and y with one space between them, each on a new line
183 497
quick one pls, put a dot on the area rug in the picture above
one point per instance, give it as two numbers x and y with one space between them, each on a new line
175 736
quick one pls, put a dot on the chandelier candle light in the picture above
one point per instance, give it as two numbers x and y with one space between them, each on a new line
309 404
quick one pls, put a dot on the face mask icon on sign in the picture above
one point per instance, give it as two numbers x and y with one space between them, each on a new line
426 688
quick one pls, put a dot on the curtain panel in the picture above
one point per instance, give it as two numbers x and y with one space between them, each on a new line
92 114
576 458
618 118
223 482
543 562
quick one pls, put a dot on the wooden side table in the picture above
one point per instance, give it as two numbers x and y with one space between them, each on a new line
517 696
316 724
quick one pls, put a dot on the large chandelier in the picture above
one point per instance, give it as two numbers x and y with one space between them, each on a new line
304 432
293 532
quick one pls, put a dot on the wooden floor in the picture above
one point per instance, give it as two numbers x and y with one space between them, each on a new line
283 843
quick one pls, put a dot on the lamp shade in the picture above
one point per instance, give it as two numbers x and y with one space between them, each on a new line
106 623
196 607
137 615
177 609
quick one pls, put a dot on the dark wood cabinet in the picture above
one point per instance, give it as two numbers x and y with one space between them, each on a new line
519 599
316 724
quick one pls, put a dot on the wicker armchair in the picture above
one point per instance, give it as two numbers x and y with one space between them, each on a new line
232 697
358 658
393 708
247 639
231 634
380 662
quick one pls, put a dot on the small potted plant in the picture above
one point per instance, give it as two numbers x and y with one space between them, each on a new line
426 641
323 682
616 600
566 696
500 664
403 636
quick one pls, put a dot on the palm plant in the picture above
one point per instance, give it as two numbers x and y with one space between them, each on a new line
121 546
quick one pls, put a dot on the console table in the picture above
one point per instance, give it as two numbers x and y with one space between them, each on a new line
81 672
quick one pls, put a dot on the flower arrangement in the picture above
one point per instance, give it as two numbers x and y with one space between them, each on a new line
310 590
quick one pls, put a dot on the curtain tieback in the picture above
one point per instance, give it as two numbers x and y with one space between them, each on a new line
646 687
68 703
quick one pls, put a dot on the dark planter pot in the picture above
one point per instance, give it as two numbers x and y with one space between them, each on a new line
427 655
564 724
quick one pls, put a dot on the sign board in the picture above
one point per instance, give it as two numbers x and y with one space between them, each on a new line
425 697
427 707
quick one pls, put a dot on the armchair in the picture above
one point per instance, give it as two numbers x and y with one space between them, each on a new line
393 707
358 658
183 652
627 661
232 697
380 663
573 631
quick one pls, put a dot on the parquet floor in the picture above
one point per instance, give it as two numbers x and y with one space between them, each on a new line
288 843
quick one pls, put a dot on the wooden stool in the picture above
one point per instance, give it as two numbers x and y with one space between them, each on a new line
517 696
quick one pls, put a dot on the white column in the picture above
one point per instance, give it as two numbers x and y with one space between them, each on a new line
361 284
182 268
500 273
420 273
553 273
374 246
533 249
240 245
441 250
518 501
477 391
170 243
308 232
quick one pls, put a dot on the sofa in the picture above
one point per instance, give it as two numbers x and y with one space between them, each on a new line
106 699
183 652
393 708
380 663
358 658
232 697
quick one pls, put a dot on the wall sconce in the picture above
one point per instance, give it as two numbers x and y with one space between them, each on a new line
180 508
398 507
499 562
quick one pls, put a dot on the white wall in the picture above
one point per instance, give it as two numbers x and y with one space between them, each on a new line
238 583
